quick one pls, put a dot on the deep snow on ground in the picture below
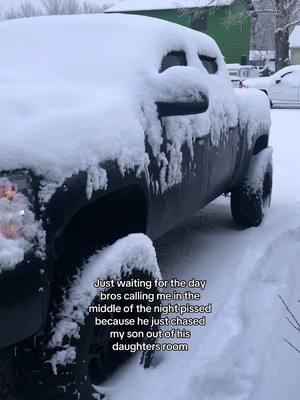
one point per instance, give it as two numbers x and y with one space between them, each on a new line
241 353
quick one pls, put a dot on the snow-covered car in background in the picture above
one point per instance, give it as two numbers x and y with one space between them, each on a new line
238 73
282 88
113 127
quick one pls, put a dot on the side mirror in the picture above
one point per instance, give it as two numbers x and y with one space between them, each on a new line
182 91
182 108
278 81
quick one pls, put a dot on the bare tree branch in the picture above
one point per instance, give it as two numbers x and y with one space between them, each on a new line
293 325
52 7
294 347
272 22
290 312
289 25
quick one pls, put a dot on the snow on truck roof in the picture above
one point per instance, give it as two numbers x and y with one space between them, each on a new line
91 46
143 5
72 92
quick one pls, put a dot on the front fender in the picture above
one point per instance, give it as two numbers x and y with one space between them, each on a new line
71 197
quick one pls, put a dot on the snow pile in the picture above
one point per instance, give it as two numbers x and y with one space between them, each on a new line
19 231
72 96
134 252
254 112
231 366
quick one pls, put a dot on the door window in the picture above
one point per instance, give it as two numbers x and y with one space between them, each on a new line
209 63
291 78
173 59
286 74
286 88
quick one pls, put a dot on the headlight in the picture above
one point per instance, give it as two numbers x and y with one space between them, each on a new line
19 230
18 182
15 205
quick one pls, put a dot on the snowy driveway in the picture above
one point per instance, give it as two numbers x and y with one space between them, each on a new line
240 354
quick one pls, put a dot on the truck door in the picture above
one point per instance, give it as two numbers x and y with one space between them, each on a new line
177 177
222 157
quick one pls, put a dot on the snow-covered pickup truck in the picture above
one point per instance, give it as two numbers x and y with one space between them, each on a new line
113 130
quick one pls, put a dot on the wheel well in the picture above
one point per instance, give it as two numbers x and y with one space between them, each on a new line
260 144
267 94
264 91
102 222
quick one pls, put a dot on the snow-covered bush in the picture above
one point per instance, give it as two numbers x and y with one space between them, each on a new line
26 9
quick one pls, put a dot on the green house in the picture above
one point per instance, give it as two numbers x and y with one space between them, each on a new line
220 19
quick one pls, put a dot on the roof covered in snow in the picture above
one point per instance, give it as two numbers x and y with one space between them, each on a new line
143 5
295 38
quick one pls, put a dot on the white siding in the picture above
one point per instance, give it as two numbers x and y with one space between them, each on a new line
295 56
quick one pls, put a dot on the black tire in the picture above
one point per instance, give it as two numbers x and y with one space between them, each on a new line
252 196
94 361
8 376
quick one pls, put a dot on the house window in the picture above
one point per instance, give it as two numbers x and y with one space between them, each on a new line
199 21
172 59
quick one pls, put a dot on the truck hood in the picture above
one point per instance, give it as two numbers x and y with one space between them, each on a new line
57 130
